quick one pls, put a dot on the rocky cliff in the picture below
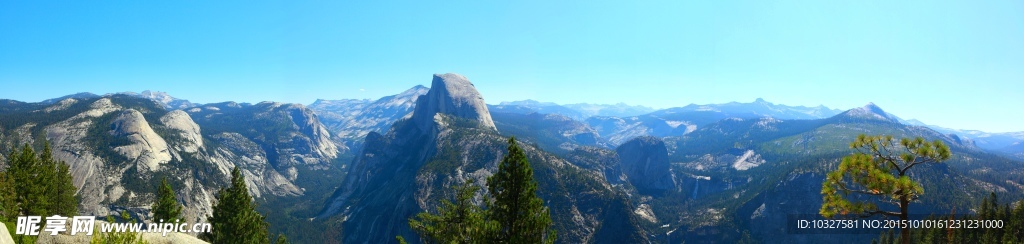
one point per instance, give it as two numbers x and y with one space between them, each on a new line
644 160
454 95
118 145
449 139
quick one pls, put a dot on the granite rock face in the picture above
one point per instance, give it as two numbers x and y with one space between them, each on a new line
644 160
454 95
115 144
147 149
182 123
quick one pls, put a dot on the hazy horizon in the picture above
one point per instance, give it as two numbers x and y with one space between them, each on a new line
500 102
956 65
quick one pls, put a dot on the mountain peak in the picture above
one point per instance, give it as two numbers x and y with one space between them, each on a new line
79 95
454 95
871 107
871 111
163 99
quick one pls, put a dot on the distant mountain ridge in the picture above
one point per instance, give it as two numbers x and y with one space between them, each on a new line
349 120
986 140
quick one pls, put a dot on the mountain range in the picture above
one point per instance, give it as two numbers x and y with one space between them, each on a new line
355 170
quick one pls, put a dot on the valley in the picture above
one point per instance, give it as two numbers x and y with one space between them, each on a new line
355 170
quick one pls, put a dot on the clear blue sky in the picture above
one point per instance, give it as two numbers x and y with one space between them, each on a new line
957 64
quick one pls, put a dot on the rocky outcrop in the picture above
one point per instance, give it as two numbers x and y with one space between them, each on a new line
187 129
644 160
147 149
454 95
67 138
290 135
449 139
318 139
260 177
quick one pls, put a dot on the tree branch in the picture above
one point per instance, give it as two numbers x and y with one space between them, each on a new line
886 213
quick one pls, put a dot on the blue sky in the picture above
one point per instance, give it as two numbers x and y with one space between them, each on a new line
957 64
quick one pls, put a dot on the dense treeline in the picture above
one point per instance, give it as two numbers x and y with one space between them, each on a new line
996 223
36 185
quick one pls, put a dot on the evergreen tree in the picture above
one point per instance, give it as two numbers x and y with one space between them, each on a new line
459 222
8 203
1014 232
24 169
281 239
879 169
991 212
166 207
235 219
63 201
520 214
42 185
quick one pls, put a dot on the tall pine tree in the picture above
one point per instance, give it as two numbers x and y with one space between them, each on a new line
26 172
458 222
60 186
42 185
519 213
8 203
879 169
235 219
166 208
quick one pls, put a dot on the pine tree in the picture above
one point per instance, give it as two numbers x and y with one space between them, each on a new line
520 214
459 222
30 182
42 185
235 219
8 201
281 239
1014 232
879 169
61 187
166 208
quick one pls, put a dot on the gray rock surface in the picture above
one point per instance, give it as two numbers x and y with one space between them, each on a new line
350 120
182 123
148 150
644 160
452 94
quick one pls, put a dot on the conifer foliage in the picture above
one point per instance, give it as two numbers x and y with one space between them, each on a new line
520 213
235 219
458 222
992 223
36 184
166 208
879 168
514 214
